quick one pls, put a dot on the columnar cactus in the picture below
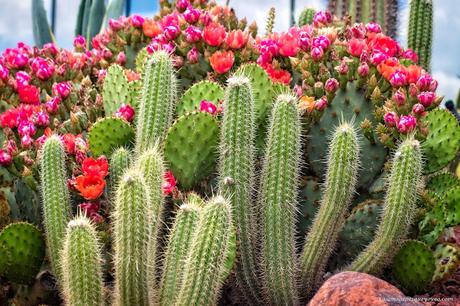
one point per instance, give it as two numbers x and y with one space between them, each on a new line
306 17
56 198
81 265
270 21
236 171
157 100
180 240
119 162
341 176
205 264
131 229
278 202
150 166
421 30
398 210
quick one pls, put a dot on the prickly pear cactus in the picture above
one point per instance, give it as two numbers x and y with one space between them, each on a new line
414 266
204 90
116 90
433 223
190 147
442 183
22 249
443 141
451 202
347 104
447 258
108 134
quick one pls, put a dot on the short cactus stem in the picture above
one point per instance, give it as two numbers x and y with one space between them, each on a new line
398 210
119 162
278 202
157 101
205 264
341 176
81 265
151 168
421 30
180 240
56 198
306 17
131 229
236 171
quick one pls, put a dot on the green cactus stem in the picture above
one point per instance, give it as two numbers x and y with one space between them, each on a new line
398 210
236 182
278 202
421 30
306 17
131 228
270 21
180 240
81 265
205 264
56 198
119 162
340 181
158 97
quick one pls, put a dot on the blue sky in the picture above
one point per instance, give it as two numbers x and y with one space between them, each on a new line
15 25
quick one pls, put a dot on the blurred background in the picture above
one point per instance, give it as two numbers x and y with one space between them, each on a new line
16 25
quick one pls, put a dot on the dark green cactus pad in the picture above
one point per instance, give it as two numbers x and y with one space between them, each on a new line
116 90
107 134
204 90
262 88
348 104
442 183
309 201
414 266
22 249
452 203
443 141
190 148
447 258
433 223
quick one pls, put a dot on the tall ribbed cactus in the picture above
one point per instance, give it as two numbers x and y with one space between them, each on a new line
341 175
236 182
398 209
278 202
180 240
157 100
205 264
131 229
270 21
306 16
81 265
56 198
150 166
421 30
119 162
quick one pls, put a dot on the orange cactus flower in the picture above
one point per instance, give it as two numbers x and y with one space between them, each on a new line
388 67
90 186
95 167
222 61
151 28
307 103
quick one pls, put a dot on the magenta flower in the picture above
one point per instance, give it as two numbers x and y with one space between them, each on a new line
377 57
192 56
22 78
5 158
304 40
399 97
4 72
115 24
407 124
208 107
126 112
42 119
321 103
62 89
50 48
26 128
424 82
317 53
26 141
182 5
373 27
391 119
52 105
321 41
398 79
410 55
418 109
363 69
136 21
192 15
288 45
171 32
322 18
121 58
331 85
426 98
192 34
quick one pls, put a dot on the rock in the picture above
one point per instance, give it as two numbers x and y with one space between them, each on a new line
360 289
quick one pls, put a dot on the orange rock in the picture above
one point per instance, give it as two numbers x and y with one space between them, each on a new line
360 289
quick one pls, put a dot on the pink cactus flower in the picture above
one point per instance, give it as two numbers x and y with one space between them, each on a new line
5 158
356 47
288 45
4 73
424 82
298 90
377 57
62 89
52 105
407 124
192 56
237 39
304 40
342 68
192 34
115 25
321 103
171 32
373 27
182 5
391 119
26 128
322 18
191 15
410 55
399 97
205 19
42 119
42 68
11 147
214 34
15 59
121 58
321 41
208 107
136 21
398 79
363 69
331 85
22 78
50 48
418 109
26 141
126 112
426 98
317 53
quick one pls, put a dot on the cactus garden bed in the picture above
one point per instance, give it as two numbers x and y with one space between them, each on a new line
194 159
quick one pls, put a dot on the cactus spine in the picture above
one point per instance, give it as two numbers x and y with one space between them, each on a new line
131 228
150 166
339 187
81 265
421 30
119 162
205 265
279 184
236 171
306 17
56 198
398 210
180 239
157 101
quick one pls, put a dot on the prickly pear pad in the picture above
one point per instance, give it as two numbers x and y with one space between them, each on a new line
108 134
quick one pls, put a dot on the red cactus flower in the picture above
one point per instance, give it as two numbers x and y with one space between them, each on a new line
95 167
356 46
383 43
69 142
214 34
169 183
90 186
208 107
222 61
29 94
